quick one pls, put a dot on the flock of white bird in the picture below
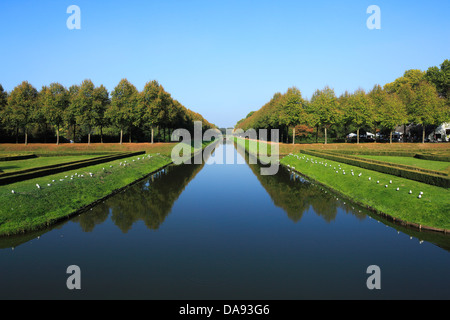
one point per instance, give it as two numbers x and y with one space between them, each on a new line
340 170
76 175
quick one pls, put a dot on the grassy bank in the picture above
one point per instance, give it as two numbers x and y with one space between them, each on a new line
60 195
368 188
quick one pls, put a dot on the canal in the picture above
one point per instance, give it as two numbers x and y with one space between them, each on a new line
223 231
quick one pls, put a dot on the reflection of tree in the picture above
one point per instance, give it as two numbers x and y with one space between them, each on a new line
292 196
149 201
90 219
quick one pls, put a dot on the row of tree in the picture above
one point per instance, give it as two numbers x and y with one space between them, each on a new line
86 108
421 98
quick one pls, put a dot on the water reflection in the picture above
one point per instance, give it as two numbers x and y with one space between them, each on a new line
149 201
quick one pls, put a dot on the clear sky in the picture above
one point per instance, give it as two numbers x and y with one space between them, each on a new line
221 58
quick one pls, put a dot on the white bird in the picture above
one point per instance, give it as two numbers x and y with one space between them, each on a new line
386 186
370 178
38 186
410 191
390 181
48 184
398 189
378 181
421 192
12 191
420 196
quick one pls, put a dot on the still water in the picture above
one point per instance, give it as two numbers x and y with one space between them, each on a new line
223 231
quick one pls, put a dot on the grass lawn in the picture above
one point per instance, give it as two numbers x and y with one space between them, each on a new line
431 210
411 161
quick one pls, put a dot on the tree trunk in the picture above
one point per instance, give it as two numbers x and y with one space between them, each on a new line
423 133
17 135
152 135
74 128
121 135
317 134
89 138
326 135
293 135
101 134
26 136
57 135
129 138
404 132
390 137
357 136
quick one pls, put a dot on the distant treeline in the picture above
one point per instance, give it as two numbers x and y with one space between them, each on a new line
84 110
418 97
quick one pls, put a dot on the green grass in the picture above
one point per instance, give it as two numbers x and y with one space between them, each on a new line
431 210
30 208
411 161
16 165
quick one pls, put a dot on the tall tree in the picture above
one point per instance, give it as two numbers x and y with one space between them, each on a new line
3 98
427 106
150 99
291 110
84 104
71 112
54 102
359 110
3 103
440 77
100 104
124 99
324 106
22 106
392 112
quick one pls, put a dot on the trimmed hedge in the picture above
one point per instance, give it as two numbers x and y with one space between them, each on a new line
428 178
434 157
373 153
7 178
23 157
398 165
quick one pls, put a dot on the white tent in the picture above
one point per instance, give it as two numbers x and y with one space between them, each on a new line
441 133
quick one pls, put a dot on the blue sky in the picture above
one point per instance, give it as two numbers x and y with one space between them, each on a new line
221 58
